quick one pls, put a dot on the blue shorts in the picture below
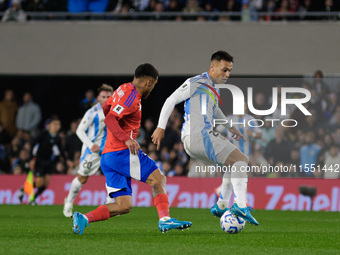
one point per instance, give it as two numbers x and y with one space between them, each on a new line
120 166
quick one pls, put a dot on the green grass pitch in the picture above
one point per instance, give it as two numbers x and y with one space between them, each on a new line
44 230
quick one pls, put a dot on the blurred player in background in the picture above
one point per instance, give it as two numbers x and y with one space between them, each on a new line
92 132
123 159
46 151
210 147
249 128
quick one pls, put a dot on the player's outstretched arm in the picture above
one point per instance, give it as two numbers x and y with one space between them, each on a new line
178 96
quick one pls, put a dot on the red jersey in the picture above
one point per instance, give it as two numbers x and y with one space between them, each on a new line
126 106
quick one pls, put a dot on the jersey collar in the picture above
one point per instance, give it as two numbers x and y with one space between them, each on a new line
206 73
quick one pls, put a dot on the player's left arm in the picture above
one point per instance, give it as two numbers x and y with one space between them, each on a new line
220 115
83 126
236 134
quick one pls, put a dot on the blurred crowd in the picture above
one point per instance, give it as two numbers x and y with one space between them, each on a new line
312 147
244 10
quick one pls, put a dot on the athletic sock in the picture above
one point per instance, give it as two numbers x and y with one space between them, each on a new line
162 204
98 214
38 193
239 180
226 191
74 189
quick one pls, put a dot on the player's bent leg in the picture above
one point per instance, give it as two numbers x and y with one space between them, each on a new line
226 189
158 182
40 185
239 179
122 205
76 185
82 179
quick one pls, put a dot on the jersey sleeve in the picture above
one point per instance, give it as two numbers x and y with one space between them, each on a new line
123 104
220 115
178 96
84 124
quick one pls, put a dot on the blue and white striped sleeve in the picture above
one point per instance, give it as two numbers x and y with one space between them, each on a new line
85 123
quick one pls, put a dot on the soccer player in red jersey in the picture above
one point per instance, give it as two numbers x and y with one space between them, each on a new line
122 158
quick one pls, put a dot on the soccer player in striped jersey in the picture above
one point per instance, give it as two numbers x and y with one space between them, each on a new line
92 132
123 159
201 108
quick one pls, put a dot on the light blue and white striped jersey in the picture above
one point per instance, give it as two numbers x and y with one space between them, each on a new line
200 108
92 129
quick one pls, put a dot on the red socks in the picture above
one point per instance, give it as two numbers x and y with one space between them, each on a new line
162 204
101 213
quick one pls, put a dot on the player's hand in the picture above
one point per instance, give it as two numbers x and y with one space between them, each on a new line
237 135
95 148
133 146
158 136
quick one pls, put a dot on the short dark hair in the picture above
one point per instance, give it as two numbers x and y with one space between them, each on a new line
105 87
222 55
146 70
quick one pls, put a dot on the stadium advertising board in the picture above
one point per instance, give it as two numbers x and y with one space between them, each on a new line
263 193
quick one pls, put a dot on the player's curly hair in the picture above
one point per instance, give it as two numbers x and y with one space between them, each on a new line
222 55
146 70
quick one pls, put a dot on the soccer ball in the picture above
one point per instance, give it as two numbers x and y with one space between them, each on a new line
231 224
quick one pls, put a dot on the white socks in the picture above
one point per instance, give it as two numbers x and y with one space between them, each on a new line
74 189
226 189
239 180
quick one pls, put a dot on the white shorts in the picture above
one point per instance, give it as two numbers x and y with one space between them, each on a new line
89 163
208 146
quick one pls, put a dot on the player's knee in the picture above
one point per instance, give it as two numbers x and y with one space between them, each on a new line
244 159
162 179
236 156
82 179
125 209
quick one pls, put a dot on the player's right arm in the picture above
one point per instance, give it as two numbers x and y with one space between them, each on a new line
118 110
84 124
178 96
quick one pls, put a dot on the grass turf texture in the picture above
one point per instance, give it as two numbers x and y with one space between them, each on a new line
44 230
